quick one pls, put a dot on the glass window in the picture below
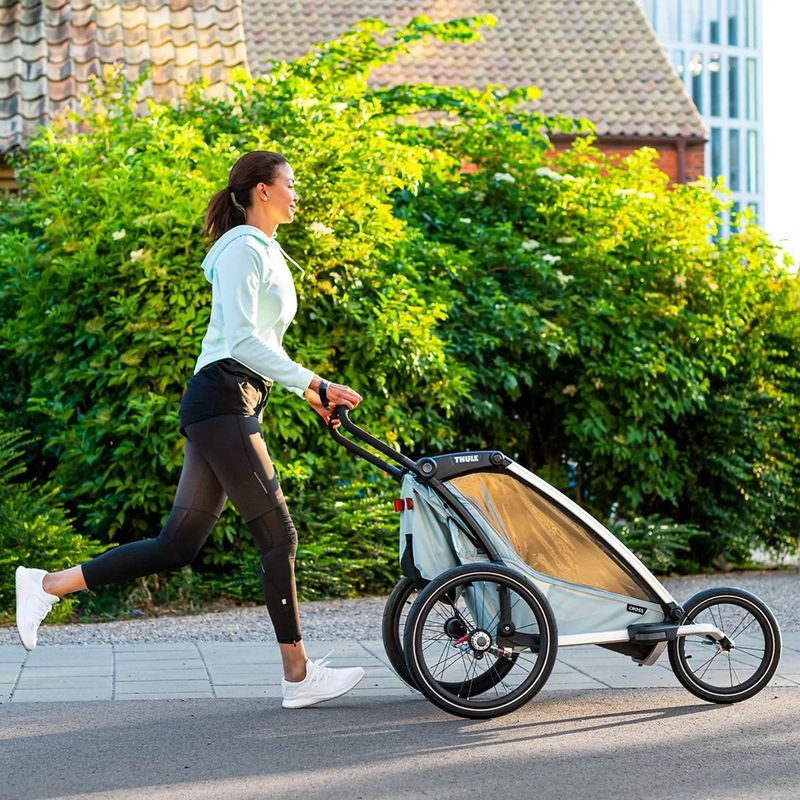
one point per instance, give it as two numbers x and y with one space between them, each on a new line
715 84
737 207
751 84
669 20
714 20
696 74
716 152
733 160
750 23
677 62
733 22
649 7
754 206
694 20
733 87
546 538
752 162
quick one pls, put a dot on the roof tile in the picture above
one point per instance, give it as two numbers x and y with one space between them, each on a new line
585 55
50 48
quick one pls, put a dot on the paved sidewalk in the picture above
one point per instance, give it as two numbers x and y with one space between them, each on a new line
164 671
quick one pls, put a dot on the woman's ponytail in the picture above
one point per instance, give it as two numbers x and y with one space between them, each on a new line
223 213
227 208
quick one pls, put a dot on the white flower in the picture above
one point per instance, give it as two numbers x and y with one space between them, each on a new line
546 172
624 191
550 259
47 221
480 196
131 151
338 107
563 278
320 229
680 281
571 390
529 244
645 194
117 235
565 239
503 177
465 220
136 255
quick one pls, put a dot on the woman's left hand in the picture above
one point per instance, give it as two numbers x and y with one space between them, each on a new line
313 399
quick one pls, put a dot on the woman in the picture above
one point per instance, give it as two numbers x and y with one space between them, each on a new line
253 301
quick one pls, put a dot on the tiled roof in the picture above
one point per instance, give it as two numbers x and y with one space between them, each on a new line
591 58
49 48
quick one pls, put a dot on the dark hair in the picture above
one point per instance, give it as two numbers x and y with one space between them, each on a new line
226 208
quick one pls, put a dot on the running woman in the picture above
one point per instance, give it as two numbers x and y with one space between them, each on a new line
253 301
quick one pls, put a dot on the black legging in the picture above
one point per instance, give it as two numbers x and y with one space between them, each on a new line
225 456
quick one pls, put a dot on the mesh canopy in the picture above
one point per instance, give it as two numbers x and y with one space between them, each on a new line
546 538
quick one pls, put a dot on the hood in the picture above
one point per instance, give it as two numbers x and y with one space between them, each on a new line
212 256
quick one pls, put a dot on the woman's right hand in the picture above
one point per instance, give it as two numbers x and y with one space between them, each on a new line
341 395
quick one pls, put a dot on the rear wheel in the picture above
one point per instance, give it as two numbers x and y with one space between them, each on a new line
734 669
480 641
395 613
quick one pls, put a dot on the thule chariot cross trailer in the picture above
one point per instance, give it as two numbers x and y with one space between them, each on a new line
503 569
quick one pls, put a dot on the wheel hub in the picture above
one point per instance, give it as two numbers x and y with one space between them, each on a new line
480 640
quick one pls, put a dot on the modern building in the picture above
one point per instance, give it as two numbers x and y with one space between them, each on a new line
590 58
716 49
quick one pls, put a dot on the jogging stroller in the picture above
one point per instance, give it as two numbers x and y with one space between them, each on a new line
503 569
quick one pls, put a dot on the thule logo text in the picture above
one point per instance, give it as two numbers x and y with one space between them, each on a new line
466 459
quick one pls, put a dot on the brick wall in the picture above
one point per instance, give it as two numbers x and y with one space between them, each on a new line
694 158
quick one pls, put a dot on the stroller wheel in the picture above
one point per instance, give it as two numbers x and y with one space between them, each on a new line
395 613
394 621
506 654
724 674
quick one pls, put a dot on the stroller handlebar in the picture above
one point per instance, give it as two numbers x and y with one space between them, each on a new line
341 413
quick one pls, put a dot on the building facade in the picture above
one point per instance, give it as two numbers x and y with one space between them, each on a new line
715 47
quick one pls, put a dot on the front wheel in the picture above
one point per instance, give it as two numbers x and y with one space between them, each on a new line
480 641
716 671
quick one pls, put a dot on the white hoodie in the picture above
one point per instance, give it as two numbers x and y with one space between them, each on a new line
253 301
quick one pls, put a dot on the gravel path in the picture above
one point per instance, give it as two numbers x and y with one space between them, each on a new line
361 619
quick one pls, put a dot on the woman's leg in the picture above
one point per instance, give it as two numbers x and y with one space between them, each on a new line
234 447
197 506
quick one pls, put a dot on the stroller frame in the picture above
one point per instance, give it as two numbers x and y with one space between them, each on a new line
645 642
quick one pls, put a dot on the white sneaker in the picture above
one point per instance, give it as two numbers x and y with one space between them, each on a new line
33 604
320 683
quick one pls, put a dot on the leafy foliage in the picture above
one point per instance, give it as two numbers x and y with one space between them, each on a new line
478 287
35 530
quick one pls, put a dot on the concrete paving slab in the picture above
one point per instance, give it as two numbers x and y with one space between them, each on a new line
248 690
165 696
135 674
153 687
28 681
9 672
69 670
60 695
12 653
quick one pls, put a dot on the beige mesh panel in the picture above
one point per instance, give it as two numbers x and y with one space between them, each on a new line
546 538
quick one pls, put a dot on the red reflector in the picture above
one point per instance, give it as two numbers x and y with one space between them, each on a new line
409 503
398 505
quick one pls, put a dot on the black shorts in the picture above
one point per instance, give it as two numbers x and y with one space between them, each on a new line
223 387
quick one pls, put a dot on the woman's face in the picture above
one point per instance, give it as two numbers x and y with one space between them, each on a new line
282 199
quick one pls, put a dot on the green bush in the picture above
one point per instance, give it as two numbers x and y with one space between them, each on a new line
35 530
480 289
663 545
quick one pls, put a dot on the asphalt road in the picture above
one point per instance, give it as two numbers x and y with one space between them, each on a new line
659 744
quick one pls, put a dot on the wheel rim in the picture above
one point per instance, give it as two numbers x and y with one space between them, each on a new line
469 671
728 672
